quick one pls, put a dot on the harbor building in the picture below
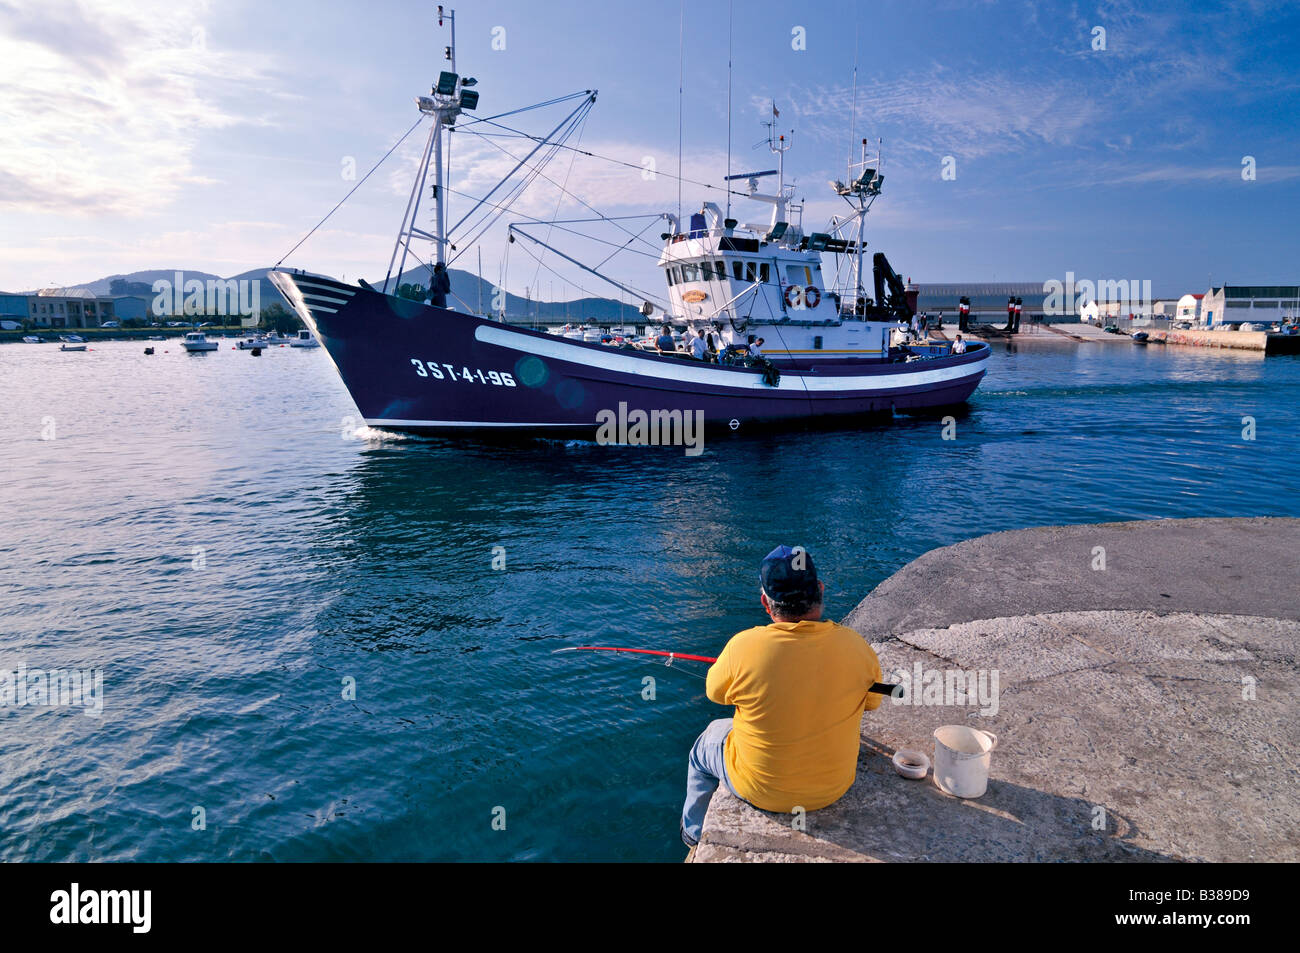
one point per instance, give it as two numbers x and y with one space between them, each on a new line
72 308
1237 304
69 308
1189 308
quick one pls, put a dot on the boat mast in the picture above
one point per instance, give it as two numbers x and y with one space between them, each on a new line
444 103
861 191
779 145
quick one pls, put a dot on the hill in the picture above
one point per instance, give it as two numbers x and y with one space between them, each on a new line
465 286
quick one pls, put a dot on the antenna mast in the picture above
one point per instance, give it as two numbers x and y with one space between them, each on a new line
730 4
444 103
681 83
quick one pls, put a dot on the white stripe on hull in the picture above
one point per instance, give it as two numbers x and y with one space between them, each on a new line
705 375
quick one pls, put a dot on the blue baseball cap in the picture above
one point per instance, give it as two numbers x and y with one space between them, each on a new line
787 572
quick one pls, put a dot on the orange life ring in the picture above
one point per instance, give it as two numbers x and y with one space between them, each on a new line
811 297
791 293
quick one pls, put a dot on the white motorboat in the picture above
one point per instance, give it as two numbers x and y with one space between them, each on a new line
247 344
32 339
196 341
304 339
72 347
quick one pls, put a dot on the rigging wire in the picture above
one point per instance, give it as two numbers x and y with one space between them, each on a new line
586 291
607 218
624 162
573 231
350 191
564 189
489 217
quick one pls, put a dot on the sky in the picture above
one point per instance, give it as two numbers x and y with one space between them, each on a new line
1021 141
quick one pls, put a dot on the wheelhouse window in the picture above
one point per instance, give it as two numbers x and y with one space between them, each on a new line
751 272
706 271
738 270
763 274
690 273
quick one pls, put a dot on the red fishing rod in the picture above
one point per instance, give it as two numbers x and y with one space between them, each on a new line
878 688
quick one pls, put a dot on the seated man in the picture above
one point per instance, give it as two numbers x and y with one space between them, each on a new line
800 686
958 345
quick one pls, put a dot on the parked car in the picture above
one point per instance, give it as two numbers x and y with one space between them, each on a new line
110 324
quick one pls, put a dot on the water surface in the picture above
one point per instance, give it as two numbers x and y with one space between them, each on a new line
215 533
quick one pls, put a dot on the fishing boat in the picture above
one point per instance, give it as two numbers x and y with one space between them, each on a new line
249 343
829 348
1140 337
304 339
197 342
32 339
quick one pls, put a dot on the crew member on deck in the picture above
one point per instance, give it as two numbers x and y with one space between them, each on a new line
698 346
800 686
665 344
439 286
756 349
958 345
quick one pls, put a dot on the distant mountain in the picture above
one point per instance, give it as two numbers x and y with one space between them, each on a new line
465 286
104 286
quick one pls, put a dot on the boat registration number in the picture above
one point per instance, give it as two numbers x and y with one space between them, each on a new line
474 375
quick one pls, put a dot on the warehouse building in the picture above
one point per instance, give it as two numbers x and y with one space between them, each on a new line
1261 304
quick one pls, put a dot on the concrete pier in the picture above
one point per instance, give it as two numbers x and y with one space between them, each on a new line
1147 706
1265 341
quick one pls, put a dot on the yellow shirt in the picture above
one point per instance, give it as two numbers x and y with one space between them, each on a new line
799 689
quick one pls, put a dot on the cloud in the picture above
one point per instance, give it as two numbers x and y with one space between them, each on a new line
103 107
961 115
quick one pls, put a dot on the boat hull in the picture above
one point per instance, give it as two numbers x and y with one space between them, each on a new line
417 368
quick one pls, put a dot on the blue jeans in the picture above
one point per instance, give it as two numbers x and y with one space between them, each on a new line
706 766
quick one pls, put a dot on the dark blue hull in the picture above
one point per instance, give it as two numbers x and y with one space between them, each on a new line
416 368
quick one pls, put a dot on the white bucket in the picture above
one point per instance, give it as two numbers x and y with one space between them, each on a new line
961 759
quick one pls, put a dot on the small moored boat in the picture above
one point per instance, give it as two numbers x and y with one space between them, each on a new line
196 341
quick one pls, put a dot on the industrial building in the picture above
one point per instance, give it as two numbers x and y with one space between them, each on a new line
1262 304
